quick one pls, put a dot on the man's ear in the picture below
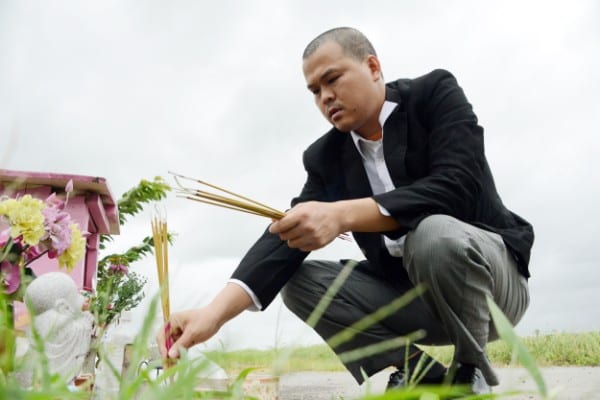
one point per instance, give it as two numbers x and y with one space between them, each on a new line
374 66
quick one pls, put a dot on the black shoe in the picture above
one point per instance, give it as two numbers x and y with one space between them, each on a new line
399 380
471 378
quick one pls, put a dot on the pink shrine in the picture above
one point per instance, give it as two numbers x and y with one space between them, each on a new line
91 205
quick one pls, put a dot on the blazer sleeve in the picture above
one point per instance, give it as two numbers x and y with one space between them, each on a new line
270 263
455 156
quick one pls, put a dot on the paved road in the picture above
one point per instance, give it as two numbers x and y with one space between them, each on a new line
576 383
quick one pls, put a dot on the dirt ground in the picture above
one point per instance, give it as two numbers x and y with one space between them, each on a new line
577 383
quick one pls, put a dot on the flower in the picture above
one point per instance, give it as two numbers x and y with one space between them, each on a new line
4 236
36 227
71 256
69 187
119 269
26 218
58 229
10 277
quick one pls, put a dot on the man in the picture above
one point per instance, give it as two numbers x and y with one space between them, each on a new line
404 170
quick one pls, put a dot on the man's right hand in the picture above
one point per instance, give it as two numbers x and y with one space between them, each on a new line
187 328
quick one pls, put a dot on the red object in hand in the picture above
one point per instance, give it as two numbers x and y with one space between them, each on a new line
168 338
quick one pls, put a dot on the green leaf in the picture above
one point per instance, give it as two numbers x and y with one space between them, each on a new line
131 202
116 292
506 333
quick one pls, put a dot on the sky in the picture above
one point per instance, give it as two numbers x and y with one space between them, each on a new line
129 90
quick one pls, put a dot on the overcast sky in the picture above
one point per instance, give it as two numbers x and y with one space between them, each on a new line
131 89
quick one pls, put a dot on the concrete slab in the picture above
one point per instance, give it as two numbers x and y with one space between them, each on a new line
570 383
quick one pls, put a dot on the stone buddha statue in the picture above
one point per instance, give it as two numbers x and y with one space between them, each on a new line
66 330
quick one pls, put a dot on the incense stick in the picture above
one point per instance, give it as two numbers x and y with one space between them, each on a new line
220 205
234 204
239 203
161 252
176 175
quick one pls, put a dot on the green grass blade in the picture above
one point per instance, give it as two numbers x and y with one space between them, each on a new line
506 333
375 317
385 345
339 280
427 393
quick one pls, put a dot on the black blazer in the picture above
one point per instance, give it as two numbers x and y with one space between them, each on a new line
433 148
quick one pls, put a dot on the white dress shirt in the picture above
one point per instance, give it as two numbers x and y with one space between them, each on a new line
379 177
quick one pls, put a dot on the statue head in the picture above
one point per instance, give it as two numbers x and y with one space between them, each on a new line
56 291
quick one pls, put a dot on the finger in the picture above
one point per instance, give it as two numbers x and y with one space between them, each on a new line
289 221
308 243
174 351
273 227
185 340
160 341
294 238
300 242
307 247
291 235
276 227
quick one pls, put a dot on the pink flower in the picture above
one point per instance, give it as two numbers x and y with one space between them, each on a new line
4 236
55 202
10 277
33 252
69 189
119 268
57 224
69 186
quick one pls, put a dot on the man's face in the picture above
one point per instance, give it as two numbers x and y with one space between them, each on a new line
348 92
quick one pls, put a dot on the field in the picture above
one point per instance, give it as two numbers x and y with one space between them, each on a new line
559 349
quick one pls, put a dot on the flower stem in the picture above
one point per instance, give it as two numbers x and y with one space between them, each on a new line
7 335
6 249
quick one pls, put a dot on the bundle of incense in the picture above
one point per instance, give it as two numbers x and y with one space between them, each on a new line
161 252
236 202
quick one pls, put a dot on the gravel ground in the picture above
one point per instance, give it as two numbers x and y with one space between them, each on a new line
577 383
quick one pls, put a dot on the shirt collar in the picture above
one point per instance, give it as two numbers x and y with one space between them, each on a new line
386 110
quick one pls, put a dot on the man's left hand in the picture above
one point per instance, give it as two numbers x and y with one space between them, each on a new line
310 226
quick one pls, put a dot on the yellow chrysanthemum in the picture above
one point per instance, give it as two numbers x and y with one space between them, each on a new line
25 218
3 207
70 257
6 206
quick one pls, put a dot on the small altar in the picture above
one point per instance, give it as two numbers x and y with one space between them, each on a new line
91 205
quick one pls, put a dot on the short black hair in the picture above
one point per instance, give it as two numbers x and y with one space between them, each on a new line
352 41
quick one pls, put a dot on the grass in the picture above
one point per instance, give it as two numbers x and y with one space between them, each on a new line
559 349
310 358
556 349
540 350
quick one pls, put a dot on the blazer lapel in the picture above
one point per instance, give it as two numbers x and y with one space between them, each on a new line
395 140
356 181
